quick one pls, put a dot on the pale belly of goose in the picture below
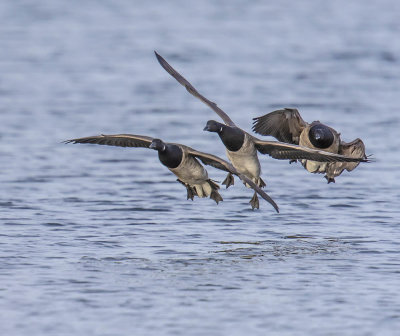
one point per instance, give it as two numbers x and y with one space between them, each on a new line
191 172
245 160
314 166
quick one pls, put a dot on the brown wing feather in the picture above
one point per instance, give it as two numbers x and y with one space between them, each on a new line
209 159
189 87
283 151
356 149
120 140
216 162
285 125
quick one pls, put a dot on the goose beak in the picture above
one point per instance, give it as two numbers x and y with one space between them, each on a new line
206 128
152 145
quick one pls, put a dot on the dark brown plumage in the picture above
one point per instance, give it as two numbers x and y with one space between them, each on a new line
287 125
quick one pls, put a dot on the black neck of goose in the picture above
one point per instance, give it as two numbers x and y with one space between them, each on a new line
171 156
232 137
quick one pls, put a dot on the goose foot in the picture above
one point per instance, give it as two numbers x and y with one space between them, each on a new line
329 179
216 196
255 204
190 192
229 180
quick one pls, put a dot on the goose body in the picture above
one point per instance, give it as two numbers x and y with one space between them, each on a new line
309 139
245 160
287 125
191 172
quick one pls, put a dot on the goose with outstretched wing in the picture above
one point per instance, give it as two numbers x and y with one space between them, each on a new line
242 148
181 160
287 125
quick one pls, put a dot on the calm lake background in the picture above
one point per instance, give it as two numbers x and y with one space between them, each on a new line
100 240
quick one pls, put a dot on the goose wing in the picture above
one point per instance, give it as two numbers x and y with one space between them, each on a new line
283 151
285 125
189 87
356 149
216 162
121 140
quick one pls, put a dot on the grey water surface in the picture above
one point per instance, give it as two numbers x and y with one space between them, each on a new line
99 240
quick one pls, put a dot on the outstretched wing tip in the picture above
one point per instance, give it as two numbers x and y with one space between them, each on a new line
258 190
191 89
369 158
119 140
274 205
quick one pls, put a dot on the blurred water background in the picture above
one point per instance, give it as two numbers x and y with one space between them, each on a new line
100 240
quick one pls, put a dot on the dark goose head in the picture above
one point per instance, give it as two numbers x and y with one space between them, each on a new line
213 126
232 137
170 155
158 145
321 136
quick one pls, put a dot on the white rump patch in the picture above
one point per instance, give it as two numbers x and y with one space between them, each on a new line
203 190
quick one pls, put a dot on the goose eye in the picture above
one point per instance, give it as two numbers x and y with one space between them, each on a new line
321 136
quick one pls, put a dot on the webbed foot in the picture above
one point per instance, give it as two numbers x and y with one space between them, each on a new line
190 192
229 180
329 179
292 161
216 196
261 183
255 204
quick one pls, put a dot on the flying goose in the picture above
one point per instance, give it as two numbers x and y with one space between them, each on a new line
287 125
180 160
241 147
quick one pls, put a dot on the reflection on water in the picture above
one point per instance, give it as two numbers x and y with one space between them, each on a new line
98 240
278 248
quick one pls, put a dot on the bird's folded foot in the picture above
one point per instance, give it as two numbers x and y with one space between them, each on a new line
330 179
261 183
255 204
216 196
190 191
229 180
292 161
